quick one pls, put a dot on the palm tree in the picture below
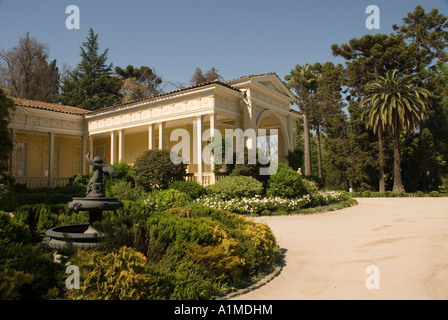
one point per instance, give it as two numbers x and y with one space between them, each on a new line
393 104
303 80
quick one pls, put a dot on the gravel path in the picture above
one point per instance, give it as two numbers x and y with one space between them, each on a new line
328 255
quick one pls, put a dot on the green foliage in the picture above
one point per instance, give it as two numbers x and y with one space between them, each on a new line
285 183
124 190
42 217
51 196
8 198
91 85
154 169
249 169
194 253
6 106
256 205
235 187
159 200
115 275
193 189
295 158
27 270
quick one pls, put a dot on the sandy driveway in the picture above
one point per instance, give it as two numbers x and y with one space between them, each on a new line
327 254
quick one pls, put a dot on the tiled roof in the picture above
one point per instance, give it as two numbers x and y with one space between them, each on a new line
49 106
253 76
168 93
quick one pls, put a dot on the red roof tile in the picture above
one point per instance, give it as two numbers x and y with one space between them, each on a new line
49 106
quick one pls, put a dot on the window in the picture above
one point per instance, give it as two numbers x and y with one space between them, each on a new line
20 159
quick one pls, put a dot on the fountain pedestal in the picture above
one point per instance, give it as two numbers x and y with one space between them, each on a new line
83 236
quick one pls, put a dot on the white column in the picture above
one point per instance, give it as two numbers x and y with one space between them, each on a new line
51 159
198 146
213 126
112 148
161 135
121 145
91 153
83 153
151 137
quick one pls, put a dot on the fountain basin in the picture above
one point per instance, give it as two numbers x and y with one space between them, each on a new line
95 204
82 236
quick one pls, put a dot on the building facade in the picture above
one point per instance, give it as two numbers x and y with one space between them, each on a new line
51 140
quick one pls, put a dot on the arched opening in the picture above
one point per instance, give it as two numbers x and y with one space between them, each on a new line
274 125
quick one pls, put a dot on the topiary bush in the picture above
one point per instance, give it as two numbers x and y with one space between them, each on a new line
154 169
193 189
235 187
286 183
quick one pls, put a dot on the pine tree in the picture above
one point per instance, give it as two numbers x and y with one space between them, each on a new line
138 83
91 85
198 77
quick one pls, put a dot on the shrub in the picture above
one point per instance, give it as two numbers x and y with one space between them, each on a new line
115 275
26 271
310 186
193 189
434 194
155 170
286 183
235 187
194 253
256 205
124 190
160 200
13 230
8 198
41 217
249 169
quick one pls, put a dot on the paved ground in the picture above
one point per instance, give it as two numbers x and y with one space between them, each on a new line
327 254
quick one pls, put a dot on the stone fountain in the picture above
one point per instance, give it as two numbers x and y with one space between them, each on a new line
95 202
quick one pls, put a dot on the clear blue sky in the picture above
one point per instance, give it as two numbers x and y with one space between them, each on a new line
176 36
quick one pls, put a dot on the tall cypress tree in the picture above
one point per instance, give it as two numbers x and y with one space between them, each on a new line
91 85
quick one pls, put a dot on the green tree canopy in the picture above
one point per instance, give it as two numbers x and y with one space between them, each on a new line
6 105
393 104
199 77
91 85
138 83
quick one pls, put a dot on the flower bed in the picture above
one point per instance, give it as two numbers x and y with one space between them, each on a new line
259 205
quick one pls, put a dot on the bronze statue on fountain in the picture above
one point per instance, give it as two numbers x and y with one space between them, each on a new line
95 201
